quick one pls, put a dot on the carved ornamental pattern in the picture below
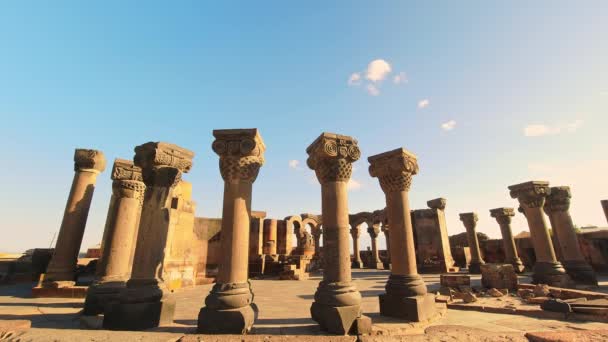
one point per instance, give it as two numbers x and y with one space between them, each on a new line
331 157
241 153
89 160
469 219
558 199
162 164
531 194
502 215
394 169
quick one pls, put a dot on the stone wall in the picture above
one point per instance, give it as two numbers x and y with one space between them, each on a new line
207 232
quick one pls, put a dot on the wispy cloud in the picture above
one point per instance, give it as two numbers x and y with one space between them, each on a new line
424 103
377 70
449 125
293 164
400 78
353 184
354 79
539 130
373 90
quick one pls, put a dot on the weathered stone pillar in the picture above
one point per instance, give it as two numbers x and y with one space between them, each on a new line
146 302
406 294
229 307
503 217
119 236
470 222
337 305
355 232
316 234
60 271
558 207
531 196
605 207
270 236
374 231
387 234
557 247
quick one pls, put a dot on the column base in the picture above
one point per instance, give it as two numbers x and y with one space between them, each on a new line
413 309
356 264
230 321
100 296
386 265
550 273
139 316
517 265
475 267
580 271
57 284
341 320
376 265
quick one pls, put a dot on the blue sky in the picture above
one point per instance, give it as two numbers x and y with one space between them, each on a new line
488 95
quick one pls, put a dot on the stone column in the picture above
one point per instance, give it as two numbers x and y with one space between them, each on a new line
337 305
470 222
558 207
503 217
229 307
557 247
374 231
438 206
406 295
355 232
146 302
387 234
531 196
119 236
61 269
270 237
316 234
605 207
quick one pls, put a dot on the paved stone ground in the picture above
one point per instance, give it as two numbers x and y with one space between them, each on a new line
284 310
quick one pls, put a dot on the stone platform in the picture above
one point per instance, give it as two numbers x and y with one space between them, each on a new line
286 313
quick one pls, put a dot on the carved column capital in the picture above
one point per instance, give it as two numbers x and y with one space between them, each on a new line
469 219
374 231
127 180
531 194
241 153
86 160
502 215
394 169
162 164
331 157
558 199
437 203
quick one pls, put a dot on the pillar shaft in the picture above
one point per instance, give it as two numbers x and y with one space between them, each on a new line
503 217
531 197
470 222
337 302
229 306
355 232
406 293
605 207
61 269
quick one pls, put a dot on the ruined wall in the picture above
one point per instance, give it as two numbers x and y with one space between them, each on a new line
207 242
492 251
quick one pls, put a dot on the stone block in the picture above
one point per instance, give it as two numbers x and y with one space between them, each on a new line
556 305
455 280
60 292
336 320
568 336
413 309
500 276
233 321
139 316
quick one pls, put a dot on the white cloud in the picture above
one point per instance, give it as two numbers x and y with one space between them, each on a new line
293 164
377 70
400 78
448 126
423 103
353 184
539 130
373 90
354 79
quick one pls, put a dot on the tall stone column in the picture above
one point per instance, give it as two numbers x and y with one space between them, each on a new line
146 302
61 269
229 307
355 232
503 217
119 236
470 222
387 233
270 236
316 234
406 294
531 196
558 205
337 305
605 207
557 247
374 231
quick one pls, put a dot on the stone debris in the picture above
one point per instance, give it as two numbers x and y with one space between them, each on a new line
556 305
500 276
541 290
469 297
495 293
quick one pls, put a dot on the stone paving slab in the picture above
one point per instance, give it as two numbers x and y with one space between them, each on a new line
569 336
